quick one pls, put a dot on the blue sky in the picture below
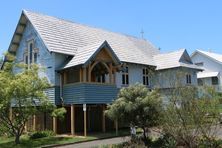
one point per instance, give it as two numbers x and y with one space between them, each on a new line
168 24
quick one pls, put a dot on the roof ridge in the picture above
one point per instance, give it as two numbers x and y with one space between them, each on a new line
209 52
85 25
169 52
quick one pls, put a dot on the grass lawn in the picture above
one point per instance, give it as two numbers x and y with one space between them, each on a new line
26 142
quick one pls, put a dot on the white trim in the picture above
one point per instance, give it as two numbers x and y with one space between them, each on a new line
207 74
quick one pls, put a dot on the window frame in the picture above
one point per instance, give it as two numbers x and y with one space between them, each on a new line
200 64
125 76
33 56
188 79
200 82
213 81
145 77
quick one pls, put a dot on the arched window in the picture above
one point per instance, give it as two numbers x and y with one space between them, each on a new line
31 54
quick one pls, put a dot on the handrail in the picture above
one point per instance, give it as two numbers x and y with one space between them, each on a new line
96 83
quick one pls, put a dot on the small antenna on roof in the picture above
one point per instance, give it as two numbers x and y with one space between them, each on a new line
142 33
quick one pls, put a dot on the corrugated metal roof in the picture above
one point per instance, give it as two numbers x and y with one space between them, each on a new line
207 74
68 37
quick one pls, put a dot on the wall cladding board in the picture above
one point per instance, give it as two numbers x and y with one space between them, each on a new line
45 59
89 93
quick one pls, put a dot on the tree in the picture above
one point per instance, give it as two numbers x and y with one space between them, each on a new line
137 106
24 92
192 113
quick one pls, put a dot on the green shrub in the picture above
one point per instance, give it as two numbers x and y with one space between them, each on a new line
205 143
41 134
164 141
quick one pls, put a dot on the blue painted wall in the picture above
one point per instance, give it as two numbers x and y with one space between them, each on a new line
45 59
49 62
53 94
86 93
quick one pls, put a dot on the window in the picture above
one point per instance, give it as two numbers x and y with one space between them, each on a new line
188 79
199 64
26 58
145 76
35 57
214 80
31 54
200 82
125 76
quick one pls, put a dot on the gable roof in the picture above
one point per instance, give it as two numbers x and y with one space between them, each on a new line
67 37
84 54
82 42
214 56
174 59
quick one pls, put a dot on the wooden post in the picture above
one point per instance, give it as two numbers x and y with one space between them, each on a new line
110 73
34 122
116 125
65 77
55 125
80 75
72 119
88 119
84 74
103 119
85 123
114 76
89 73
61 84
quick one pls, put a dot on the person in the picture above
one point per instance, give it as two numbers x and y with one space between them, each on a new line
133 131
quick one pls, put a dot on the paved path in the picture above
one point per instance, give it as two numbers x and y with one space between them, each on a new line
97 143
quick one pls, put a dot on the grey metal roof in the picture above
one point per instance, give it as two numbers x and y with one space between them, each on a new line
174 59
215 56
67 37
84 54
82 41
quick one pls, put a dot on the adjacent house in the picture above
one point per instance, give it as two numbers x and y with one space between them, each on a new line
87 66
212 65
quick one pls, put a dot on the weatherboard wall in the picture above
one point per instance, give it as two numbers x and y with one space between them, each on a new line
209 65
135 75
174 77
89 93
45 59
